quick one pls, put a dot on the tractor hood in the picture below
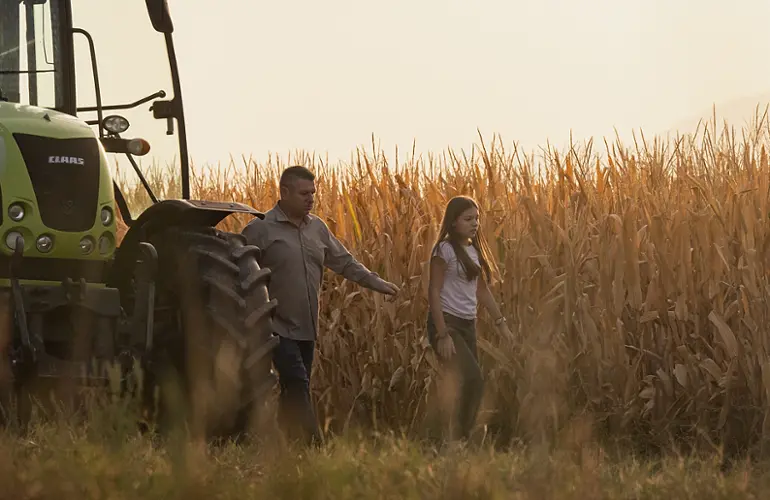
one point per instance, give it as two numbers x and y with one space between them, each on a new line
33 120
54 163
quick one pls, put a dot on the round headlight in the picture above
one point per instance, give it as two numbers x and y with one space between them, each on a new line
87 245
10 239
115 124
16 212
106 216
105 245
44 243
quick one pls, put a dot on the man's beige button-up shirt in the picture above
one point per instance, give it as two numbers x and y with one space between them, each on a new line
296 257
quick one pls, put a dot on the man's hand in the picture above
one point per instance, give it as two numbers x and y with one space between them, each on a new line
382 286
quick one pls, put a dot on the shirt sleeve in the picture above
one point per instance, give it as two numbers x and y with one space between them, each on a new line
341 261
443 251
255 233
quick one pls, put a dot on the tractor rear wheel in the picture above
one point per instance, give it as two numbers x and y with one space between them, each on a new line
213 328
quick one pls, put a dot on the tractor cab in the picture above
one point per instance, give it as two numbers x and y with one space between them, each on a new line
70 57
31 56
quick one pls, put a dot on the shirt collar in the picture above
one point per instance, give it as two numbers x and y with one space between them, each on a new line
280 216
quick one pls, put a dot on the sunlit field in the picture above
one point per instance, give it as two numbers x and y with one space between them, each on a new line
635 285
634 280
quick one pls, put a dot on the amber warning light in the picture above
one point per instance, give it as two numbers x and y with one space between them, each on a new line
138 147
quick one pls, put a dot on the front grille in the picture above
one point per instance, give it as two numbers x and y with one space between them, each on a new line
48 269
65 177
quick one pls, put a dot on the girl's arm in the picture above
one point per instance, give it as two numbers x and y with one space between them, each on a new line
485 298
436 281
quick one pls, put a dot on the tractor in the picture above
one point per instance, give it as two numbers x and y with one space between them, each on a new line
177 297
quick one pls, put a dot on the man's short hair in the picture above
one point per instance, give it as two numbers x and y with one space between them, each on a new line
295 172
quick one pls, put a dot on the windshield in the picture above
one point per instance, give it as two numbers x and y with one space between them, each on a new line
30 53
42 63
133 63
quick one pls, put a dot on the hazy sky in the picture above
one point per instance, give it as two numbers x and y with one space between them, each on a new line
263 77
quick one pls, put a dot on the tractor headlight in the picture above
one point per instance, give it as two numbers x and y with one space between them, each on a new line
106 216
16 212
87 245
105 244
115 124
10 239
44 243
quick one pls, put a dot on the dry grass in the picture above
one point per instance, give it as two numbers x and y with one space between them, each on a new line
103 456
635 285
106 460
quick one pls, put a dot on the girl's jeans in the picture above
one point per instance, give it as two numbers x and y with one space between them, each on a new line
463 369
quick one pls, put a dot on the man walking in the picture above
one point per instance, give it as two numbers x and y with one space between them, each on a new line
296 246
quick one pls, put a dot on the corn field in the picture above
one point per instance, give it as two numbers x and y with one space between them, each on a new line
633 277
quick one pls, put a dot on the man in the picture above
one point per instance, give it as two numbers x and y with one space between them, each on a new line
296 246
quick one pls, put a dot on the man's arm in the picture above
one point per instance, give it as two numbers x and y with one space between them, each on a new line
341 261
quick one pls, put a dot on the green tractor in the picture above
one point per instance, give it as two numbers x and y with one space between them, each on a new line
178 297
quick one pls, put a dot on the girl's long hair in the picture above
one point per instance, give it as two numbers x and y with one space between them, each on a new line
454 208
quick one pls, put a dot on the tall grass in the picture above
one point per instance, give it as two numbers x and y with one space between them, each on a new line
98 461
634 279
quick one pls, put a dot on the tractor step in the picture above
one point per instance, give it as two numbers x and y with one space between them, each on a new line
49 367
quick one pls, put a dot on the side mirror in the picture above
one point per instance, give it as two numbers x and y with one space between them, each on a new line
160 16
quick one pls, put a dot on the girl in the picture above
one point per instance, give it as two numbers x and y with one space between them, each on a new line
456 287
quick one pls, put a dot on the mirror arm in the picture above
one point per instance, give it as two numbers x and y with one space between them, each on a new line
159 94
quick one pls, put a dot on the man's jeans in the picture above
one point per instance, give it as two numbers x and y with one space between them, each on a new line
293 360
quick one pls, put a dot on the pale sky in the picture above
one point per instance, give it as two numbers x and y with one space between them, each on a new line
323 76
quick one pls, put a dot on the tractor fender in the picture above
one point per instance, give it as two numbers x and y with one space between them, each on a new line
163 215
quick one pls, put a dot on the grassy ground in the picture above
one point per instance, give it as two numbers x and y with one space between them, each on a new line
62 462
105 456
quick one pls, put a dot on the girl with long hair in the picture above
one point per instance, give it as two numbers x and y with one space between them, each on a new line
460 271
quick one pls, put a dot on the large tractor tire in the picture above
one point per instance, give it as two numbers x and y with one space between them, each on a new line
212 330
